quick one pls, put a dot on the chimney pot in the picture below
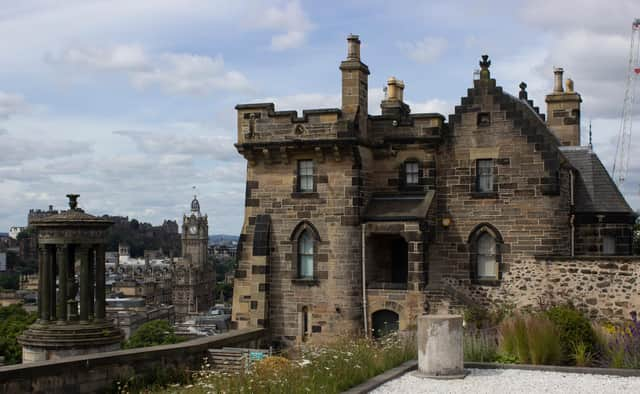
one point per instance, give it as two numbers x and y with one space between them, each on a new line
557 86
353 42
400 90
394 91
569 84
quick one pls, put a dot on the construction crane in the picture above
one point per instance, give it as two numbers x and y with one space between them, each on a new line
621 161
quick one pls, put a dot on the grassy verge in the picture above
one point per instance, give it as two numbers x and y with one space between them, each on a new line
318 369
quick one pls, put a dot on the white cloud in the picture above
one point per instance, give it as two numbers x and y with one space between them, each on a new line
425 51
175 73
288 17
302 101
191 74
11 104
17 150
177 147
118 57
430 106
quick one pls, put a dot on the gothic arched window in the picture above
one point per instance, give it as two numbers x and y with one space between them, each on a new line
305 255
485 244
305 240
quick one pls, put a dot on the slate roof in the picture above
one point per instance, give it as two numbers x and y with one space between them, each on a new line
594 191
398 206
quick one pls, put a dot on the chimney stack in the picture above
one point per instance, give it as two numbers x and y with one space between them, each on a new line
353 42
355 85
563 111
557 85
393 104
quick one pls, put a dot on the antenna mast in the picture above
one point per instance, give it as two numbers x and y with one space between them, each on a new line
623 146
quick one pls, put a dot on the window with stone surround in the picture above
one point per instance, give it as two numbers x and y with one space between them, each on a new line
484 175
486 257
412 172
485 244
305 176
305 241
305 255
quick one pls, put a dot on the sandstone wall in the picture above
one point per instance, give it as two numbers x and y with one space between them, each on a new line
606 288
97 373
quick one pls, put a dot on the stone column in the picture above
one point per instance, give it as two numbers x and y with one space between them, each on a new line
91 260
72 288
100 310
45 287
63 263
42 259
83 254
51 271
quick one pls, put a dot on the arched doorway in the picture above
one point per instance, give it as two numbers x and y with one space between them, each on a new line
384 322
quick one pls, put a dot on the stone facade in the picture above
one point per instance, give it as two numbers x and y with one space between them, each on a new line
355 221
193 276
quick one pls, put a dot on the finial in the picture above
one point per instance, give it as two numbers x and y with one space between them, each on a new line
590 140
523 91
73 200
485 63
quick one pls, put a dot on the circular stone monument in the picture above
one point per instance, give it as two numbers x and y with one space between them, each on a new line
71 267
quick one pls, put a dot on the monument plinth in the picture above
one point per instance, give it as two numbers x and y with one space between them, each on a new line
440 353
71 288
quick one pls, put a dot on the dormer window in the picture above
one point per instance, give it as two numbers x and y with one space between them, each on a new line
412 173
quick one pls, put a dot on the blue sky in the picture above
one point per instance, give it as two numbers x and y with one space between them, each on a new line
130 103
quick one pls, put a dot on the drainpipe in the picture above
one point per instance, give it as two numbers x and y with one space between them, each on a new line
572 218
364 284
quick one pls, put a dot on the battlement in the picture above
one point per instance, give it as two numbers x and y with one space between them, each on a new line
261 123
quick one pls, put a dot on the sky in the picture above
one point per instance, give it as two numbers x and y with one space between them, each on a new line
131 103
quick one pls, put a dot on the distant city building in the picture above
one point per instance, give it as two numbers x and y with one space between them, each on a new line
186 282
128 314
222 251
14 231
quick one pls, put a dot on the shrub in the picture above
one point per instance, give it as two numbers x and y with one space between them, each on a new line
480 346
533 339
581 356
621 349
573 328
153 333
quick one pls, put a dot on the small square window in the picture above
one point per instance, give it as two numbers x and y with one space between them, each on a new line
484 175
412 173
305 175
484 119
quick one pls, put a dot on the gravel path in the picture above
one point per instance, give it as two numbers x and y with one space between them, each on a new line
514 381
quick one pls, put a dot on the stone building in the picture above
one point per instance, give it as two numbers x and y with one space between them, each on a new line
186 282
194 276
355 221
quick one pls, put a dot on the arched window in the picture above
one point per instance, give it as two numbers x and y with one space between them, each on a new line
486 260
305 255
485 245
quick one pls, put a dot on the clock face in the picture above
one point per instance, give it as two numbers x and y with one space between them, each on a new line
193 230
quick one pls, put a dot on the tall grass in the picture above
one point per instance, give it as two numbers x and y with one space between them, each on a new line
320 369
480 346
531 340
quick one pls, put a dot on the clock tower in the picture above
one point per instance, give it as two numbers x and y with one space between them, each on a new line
194 276
195 236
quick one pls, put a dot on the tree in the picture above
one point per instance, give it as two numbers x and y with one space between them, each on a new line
9 280
13 321
153 333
